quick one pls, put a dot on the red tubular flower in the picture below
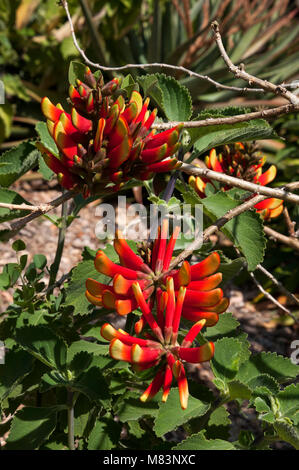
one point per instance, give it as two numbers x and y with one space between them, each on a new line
163 350
137 284
240 161
105 139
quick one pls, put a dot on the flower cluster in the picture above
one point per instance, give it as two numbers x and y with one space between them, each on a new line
163 295
239 160
160 348
106 139
203 299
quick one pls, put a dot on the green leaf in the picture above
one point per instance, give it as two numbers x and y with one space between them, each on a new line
128 84
31 427
218 424
199 442
75 292
87 346
132 409
245 230
226 326
238 390
105 435
264 381
77 71
287 432
289 401
206 138
92 383
231 269
280 368
46 139
39 261
13 86
43 344
44 169
18 245
227 358
53 379
171 415
10 375
16 162
167 93
11 197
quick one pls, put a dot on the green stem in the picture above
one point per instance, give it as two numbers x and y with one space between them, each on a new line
60 245
70 420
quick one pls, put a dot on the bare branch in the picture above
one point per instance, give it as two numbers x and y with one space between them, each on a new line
23 207
290 241
269 296
290 225
279 193
277 283
150 65
14 227
264 114
239 72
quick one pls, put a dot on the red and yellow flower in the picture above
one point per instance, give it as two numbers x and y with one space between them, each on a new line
161 348
239 160
106 139
203 298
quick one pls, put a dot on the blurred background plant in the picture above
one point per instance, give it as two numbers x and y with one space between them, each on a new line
36 45
36 48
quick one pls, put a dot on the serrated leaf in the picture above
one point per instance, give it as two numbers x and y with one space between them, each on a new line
105 435
279 367
86 346
261 406
199 442
206 138
75 292
238 390
10 375
264 381
245 230
287 432
92 383
132 409
167 93
227 358
53 379
171 415
218 424
43 344
31 427
16 162
289 401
